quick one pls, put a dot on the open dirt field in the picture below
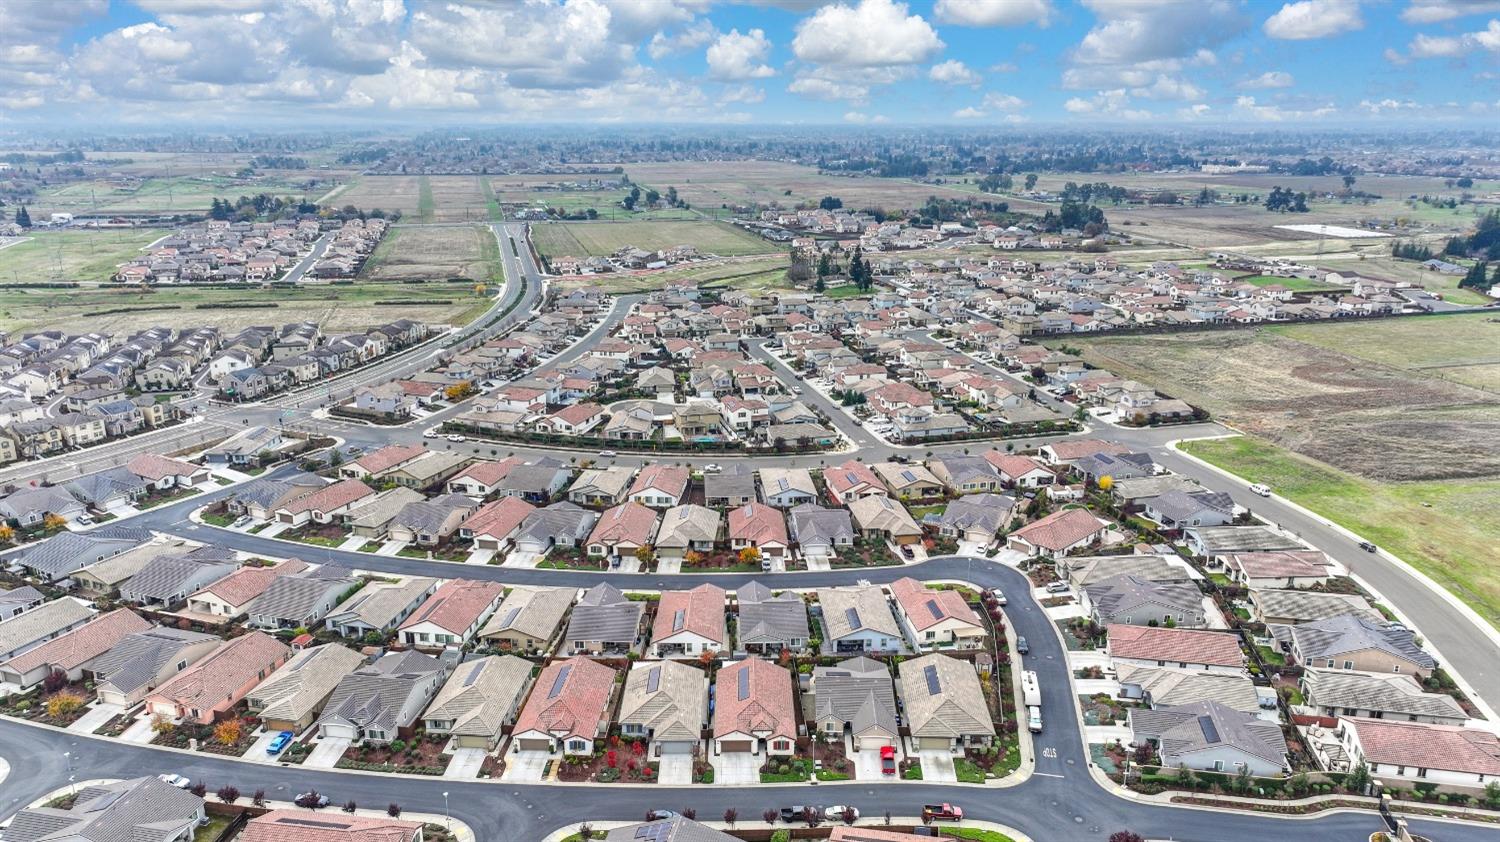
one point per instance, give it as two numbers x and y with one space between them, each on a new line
1462 348
595 239
420 198
387 192
713 184
430 253
73 255
337 308
757 272
1370 416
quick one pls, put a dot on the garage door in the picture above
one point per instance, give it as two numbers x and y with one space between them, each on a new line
934 743
678 747
734 746
535 745
873 742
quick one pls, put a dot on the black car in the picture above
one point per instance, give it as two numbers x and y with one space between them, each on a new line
1367 546
1022 646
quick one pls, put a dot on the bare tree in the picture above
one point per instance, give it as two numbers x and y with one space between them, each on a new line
689 813
259 799
769 814
730 816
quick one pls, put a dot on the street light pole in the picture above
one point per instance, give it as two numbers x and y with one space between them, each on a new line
447 822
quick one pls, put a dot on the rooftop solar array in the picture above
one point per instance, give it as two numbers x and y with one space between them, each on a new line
678 619
557 683
744 682
852 615
474 673
1210 730
934 687
653 679
932 606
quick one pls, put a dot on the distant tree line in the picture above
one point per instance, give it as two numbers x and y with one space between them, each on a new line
278 162
1286 201
1410 251
1484 242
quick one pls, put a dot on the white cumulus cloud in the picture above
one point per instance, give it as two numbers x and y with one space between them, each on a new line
994 12
734 56
1308 19
953 72
874 33
1269 79
1437 11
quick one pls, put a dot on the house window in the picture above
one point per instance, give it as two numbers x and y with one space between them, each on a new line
576 745
1218 765
781 745
1330 663
1348 665
1396 668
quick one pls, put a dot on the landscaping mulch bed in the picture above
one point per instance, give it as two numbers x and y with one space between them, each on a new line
836 766
626 763
419 756
319 534
34 707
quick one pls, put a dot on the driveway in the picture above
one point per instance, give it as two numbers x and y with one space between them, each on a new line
139 731
738 768
521 559
95 718
677 769
465 763
867 765
525 765
937 766
257 751
326 752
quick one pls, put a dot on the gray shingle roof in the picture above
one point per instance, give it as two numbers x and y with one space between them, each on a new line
770 619
813 524
379 605
987 512
299 598
854 609
138 810
40 623
604 614
1389 692
372 696
1121 596
68 552
301 684
857 691
138 658
1336 636
102 485
1306 606
1168 686
1179 505
563 522
1206 725
167 576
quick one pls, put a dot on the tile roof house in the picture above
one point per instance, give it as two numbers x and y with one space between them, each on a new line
604 621
480 479
820 532
601 486
1065 452
1278 569
217 683
538 484
25 632
1131 600
493 525
1211 737
1290 607
1019 471
884 519
302 826
858 618
1060 533
687 528
665 703
1087 570
965 474
759 526
675 829
166 581
770 623
136 810
479 700
379 606
660 486
622 530
560 524
568 708
1171 687
734 486
142 661
67 552
380 701
976 518
754 709
945 707
936 618
230 597
528 619
856 698
1352 642
851 481
165 472
912 482
72 653
301 601
325 504
1416 751
1377 695
293 696
452 615
689 623
1182 509
787 487
1210 651
1215 541
379 461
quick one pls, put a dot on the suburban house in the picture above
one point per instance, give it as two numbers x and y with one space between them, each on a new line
1377 695
936 618
601 486
881 518
230 597
689 623
142 661
687 528
734 486
787 487
479 700
539 484
859 619
430 522
1420 752
820 532
623 530
25 632
295 826
1278 569
944 704
1060 533
754 709
855 698
301 601
139 810
163 472
17 601
1172 687
604 622
166 580
209 688
379 461
528 619
73 653
1350 642
495 524
1018 471
1131 600
568 709
380 702
293 696
1211 737
67 552
977 518
770 623
1209 651
665 703
660 486
851 481
325 504
452 615
1274 606
760 527
675 829
909 482
1216 541
560 524
480 479
1182 509
379 607
965 474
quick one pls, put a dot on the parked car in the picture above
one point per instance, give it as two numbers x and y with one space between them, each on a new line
1057 587
887 760
841 813
942 813
1367 546
174 780
711 468
354 450
1262 489
280 742
311 799
455 437
607 454
430 433
1022 646
906 550
792 814
658 815
998 595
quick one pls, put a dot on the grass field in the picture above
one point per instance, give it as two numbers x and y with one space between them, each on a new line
711 186
161 194
753 273
1293 284
429 253
597 239
1385 399
422 198
1451 538
73 255
336 308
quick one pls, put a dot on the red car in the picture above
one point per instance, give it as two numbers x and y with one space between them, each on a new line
942 813
887 760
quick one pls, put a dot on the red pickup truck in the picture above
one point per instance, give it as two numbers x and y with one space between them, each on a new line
942 813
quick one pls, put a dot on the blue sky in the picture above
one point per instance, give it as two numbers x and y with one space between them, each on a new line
280 63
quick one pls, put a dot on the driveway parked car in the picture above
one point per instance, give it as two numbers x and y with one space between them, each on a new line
276 745
174 780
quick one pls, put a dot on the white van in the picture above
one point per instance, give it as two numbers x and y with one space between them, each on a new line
1034 719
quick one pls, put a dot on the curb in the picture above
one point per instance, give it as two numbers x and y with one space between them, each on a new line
569 829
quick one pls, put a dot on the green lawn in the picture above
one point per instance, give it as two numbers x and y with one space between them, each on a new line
209 832
967 772
1447 529
976 834
76 255
1293 284
426 206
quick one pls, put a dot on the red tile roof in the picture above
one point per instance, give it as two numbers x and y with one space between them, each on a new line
388 457
1451 748
757 523
1190 646
765 705
497 519
628 523
925 608
82 644
1079 448
488 473
153 467
246 583
456 605
568 705
211 682
664 478
1012 465
849 475
1059 530
330 497
578 413
702 613
302 826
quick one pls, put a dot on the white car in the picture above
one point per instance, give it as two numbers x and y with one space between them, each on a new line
711 468
455 437
430 434
607 454
998 595
1261 488
836 814
175 780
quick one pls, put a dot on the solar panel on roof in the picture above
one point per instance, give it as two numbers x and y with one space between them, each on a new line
852 615
653 832
908 476
745 683
474 673
678 619
510 616
557 683
653 679
937 613
1210 730
934 687
782 484
849 478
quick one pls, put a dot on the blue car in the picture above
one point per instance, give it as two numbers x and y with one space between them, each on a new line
279 743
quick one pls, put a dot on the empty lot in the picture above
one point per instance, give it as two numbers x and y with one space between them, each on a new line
431 253
713 184
73 255
598 239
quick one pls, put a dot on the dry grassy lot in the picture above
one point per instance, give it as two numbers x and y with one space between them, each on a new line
597 239
428 253
711 184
